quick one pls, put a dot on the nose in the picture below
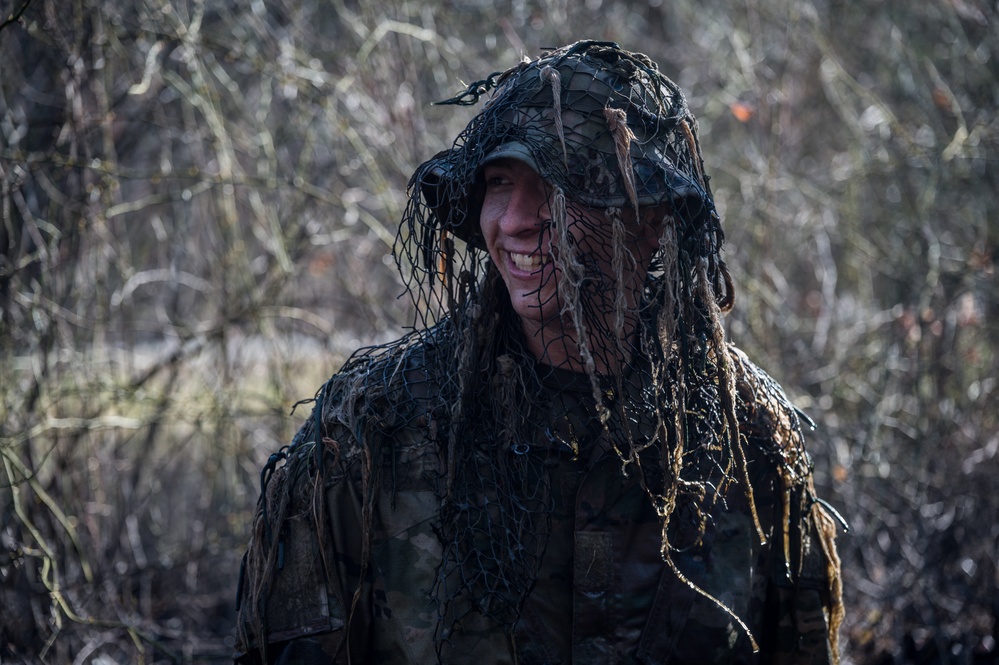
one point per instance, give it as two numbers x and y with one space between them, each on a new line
528 208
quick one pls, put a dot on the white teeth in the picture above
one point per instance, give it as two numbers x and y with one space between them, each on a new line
526 261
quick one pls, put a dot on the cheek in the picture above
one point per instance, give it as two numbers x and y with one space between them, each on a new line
648 243
654 221
488 223
489 226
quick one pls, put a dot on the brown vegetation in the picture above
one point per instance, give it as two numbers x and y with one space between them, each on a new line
198 202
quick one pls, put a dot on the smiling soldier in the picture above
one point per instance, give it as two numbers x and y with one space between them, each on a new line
565 461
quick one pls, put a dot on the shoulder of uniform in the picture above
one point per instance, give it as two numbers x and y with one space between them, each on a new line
379 390
381 408
387 385
767 418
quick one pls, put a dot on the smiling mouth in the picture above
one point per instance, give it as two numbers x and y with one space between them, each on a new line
528 262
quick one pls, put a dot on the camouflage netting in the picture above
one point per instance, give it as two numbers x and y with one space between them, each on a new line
641 362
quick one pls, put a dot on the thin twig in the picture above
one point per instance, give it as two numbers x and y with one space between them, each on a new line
13 18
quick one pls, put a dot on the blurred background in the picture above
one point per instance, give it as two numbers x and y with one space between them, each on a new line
198 202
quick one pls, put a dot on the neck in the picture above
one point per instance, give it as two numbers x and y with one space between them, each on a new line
608 350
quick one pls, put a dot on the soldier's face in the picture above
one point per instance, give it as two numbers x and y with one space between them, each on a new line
516 221
517 228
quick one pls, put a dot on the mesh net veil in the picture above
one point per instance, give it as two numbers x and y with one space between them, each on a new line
628 349
616 144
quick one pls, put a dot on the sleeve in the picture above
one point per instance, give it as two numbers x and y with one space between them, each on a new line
803 608
300 572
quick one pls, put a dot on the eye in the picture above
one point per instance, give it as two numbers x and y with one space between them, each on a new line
496 178
497 181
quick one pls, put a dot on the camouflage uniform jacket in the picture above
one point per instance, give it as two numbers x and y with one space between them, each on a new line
603 593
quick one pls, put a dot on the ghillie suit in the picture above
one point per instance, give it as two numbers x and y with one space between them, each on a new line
503 478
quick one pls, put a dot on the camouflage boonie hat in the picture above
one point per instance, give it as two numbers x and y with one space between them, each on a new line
599 122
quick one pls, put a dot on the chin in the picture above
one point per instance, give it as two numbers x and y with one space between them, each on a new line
528 307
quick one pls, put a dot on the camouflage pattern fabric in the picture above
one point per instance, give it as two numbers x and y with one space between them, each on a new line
603 593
